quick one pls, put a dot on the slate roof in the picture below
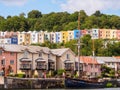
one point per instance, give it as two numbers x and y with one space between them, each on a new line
21 48
59 52
107 59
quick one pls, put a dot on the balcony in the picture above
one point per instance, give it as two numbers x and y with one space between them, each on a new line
41 66
25 67
69 67
51 66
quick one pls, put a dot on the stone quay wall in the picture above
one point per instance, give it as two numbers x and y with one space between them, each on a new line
34 83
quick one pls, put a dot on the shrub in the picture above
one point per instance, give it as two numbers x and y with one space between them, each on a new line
60 72
109 84
21 75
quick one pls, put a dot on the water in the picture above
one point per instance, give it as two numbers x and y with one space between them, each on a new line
72 89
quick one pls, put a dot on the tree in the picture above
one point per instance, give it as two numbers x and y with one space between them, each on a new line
34 14
107 72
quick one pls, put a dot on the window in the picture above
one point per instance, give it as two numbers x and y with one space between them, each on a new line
25 54
95 73
12 53
11 62
48 55
40 54
68 56
3 62
91 65
0 52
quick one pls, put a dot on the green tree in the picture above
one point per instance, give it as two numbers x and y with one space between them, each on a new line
34 14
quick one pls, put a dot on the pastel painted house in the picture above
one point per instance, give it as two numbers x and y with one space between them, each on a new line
90 67
70 35
52 37
41 37
77 34
58 37
65 59
34 36
95 33
111 62
8 59
64 36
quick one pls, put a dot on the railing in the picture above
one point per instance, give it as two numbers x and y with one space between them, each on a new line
41 67
51 67
25 66
69 67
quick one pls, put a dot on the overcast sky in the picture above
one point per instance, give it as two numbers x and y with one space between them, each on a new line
15 7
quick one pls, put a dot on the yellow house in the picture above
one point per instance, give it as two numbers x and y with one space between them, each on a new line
27 39
21 38
24 38
64 36
113 34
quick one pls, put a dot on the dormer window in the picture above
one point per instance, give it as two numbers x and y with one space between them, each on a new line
48 55
68 56
40 54
26 54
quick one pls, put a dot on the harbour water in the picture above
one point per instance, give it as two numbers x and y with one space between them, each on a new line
74 89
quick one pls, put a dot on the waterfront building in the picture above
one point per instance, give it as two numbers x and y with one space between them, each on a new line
8 59
111 62
41 37
52 37
70 35
65 59
58 37
77 34
90 67
64 36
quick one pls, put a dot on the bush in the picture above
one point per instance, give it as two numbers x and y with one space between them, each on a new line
21 75
109 84
60 72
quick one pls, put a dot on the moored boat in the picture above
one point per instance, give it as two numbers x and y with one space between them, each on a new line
78 83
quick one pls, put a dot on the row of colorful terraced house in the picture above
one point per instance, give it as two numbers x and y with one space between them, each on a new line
35 60
27 38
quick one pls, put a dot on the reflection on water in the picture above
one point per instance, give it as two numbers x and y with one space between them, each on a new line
72 89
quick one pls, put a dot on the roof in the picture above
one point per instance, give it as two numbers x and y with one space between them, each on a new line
59 52
40 59
25 59
21 48
107 59
88 60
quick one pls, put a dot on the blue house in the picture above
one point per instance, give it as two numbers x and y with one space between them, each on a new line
14 40
77 34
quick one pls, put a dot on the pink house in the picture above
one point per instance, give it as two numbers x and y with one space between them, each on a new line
91 67
8 62
118 34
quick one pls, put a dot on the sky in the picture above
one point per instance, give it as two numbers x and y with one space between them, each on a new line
15 7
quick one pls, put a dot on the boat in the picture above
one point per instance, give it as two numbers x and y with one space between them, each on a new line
77 83
81 83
